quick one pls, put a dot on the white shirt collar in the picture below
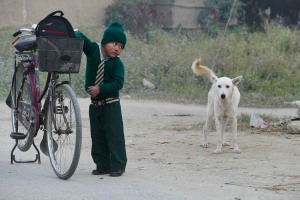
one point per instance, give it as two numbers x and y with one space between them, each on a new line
101 55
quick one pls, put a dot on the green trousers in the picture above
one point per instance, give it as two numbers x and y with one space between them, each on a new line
107 133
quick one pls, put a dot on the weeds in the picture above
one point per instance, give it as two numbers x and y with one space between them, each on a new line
269 64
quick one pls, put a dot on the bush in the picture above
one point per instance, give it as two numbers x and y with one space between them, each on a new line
218 13
137 17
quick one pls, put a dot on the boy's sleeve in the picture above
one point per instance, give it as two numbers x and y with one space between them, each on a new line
91 50
88 44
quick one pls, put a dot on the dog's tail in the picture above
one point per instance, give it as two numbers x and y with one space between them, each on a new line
203 71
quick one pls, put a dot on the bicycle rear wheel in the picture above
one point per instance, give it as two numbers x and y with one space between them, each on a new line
64 131
21 108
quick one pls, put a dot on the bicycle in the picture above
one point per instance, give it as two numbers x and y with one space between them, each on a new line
55 109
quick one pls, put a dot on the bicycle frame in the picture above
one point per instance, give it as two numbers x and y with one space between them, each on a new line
31 71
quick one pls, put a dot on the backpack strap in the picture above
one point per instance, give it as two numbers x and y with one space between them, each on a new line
55 12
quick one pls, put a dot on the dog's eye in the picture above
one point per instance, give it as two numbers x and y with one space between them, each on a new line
227 86
219 86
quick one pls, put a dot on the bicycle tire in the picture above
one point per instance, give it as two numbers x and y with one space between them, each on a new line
64 145
26 98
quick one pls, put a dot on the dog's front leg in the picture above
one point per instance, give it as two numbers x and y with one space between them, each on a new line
219 129
209 118
225 122
234 131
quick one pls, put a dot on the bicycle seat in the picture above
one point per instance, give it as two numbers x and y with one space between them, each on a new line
26 44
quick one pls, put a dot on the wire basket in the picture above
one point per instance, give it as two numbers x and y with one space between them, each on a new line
61 55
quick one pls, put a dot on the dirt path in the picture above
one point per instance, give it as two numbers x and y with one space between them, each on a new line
165 161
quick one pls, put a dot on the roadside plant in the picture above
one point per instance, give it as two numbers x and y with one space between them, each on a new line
138 17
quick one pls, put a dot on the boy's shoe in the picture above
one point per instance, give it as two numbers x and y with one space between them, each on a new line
116 173
100 172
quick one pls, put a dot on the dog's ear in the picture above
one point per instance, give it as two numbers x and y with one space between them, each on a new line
237 80
213 79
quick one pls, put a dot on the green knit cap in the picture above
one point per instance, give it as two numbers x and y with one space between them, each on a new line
114 33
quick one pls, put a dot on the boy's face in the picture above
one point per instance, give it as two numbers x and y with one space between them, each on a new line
112 49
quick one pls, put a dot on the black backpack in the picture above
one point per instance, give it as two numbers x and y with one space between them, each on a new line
55 26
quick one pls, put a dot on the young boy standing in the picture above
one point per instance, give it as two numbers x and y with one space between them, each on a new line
103 79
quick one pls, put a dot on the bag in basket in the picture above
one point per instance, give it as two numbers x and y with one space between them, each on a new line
55 26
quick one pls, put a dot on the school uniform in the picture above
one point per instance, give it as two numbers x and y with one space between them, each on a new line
106 123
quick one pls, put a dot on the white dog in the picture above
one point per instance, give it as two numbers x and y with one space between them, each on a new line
223 100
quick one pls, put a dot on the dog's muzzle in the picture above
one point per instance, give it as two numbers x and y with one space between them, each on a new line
223 96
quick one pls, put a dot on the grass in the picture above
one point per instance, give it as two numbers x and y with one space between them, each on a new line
266 62
269 64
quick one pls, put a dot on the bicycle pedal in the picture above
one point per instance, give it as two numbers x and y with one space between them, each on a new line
17 135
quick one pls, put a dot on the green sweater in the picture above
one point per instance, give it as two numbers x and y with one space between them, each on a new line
113 80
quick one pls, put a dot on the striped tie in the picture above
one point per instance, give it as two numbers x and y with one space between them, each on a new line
100 73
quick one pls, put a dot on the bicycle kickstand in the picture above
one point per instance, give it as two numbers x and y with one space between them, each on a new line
13 157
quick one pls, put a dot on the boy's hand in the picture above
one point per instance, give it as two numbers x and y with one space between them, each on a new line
94 90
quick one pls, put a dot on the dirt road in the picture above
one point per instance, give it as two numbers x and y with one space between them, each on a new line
165 161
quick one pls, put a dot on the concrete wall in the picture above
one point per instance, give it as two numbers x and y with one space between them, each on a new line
78 12
179 13
91 12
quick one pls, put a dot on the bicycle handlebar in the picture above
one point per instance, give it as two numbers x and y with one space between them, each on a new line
17 33
25 30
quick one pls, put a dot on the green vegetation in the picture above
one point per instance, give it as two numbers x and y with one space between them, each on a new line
137 16
218 12
269 64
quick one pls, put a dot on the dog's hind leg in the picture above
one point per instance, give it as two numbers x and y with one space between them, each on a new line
234 131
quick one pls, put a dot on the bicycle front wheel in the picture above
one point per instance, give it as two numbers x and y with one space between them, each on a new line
64 131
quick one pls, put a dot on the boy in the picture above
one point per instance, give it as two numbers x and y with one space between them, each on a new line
103 79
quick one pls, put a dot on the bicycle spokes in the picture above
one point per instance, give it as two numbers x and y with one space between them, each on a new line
63 127
25 114
62 115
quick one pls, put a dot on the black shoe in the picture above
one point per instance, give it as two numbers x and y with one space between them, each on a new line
116 173
100 172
